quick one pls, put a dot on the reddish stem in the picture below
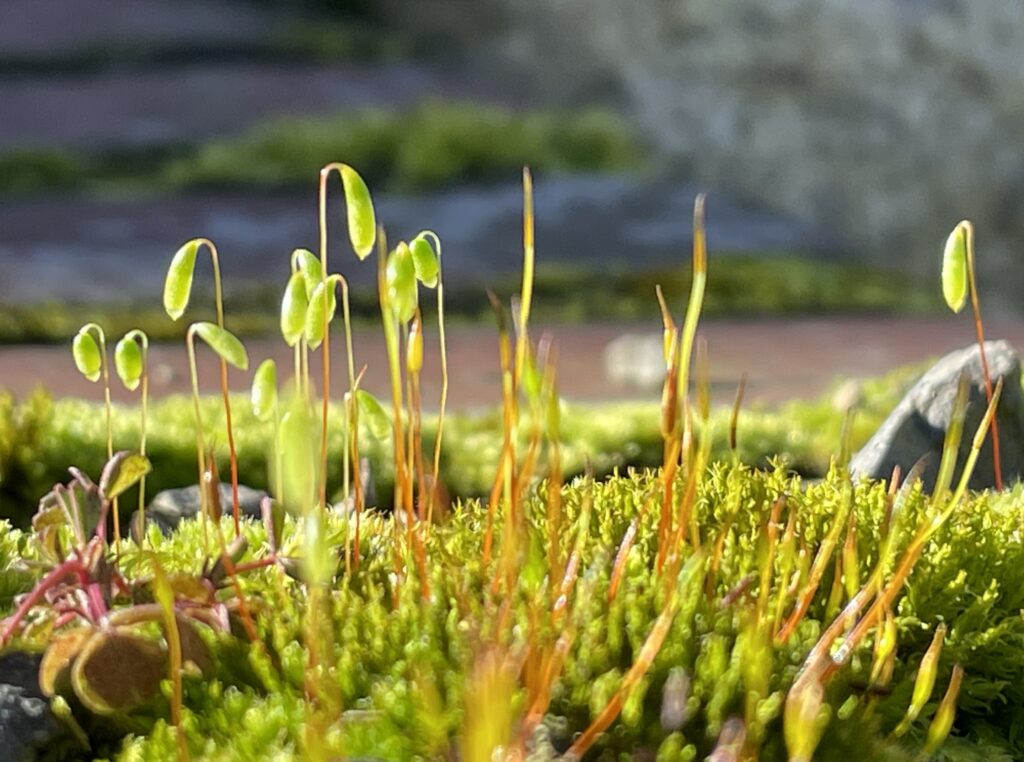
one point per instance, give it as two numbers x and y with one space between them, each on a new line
235 509
50 581
980 331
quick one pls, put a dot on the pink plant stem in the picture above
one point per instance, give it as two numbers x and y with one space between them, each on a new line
50 581
96 602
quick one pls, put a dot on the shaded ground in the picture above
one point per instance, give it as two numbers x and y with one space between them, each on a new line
783 359
78 249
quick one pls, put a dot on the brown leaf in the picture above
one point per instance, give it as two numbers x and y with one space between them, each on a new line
117 672
193 648
55 668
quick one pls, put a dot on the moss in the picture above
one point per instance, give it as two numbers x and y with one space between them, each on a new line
751 284
402 669
433 144
27 172
40 438
722 604
428 146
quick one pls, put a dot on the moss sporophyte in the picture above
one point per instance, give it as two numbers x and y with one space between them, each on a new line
702 608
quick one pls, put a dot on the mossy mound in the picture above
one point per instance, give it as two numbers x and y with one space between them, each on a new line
41 437
409 675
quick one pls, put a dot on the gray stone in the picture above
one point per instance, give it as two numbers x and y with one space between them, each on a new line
27 726
917 426
169 507
637 360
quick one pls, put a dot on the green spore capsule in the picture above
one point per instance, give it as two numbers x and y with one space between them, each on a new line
87 355
264 390
128 362
955 259
178 283
424 260
294 305
400 277
307 263
224 343
362 222
371 411
320 311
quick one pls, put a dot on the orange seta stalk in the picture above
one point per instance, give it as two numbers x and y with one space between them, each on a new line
980 331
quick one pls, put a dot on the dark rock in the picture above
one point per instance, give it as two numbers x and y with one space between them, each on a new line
169 507
917 426
27 725
346 505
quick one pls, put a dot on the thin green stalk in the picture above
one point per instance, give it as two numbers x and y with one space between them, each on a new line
951 443
693 308
107 413
165 598
434 486
200 439
980 331
403 499
232 453
326 346
526 293
325 174
183 281
143 340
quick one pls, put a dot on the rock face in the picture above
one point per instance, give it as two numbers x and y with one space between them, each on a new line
918 425
27 726
885 121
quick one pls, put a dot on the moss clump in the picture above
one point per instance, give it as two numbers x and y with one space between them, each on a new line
420 148
704 608
403 666
39 437
771 284
428 146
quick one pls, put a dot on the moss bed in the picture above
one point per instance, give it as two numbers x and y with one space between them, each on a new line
749 283
640 582
416 148
40 437
405 667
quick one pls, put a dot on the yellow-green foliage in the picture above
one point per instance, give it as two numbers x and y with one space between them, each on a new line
40 438
400 665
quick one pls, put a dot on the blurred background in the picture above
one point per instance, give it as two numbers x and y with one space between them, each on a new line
838 140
